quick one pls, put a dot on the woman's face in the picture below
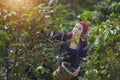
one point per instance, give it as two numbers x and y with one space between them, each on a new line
78 29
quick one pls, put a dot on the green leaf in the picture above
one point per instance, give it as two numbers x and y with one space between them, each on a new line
15 44
99 40
3 33
1 43
106 35
112 14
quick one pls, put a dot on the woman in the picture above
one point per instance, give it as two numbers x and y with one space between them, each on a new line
72 52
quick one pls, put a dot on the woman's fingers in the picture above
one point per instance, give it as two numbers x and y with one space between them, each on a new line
75 74
76 71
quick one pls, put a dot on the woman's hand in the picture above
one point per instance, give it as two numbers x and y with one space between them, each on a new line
76 72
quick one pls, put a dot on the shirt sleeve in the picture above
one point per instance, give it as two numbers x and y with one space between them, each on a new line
84 53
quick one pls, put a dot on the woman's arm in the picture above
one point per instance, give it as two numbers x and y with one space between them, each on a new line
84 52
58 36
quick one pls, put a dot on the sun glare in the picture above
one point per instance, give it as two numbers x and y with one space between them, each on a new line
15 4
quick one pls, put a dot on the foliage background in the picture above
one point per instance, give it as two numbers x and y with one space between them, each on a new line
27 54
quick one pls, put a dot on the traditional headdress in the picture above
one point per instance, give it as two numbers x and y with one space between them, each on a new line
85 29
